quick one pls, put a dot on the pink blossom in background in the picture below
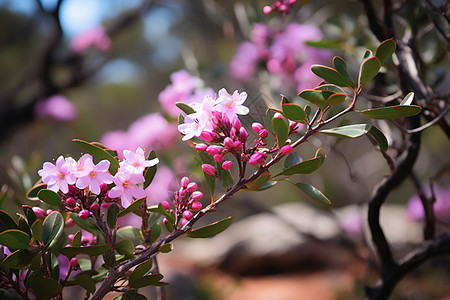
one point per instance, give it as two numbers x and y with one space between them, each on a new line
353 225
56 107
183 85
441 207
244 63
151 131
95 37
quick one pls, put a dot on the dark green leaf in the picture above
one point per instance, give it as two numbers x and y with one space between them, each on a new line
313 193
258 182
385 50
50 197
325 44
294 112
341 67
141 270
29 214
6 222
149 173
367 54
348 131
166 248
86 281
109 258
321 153
369 69
145 281
269 116
392 112
292 159
379 137
281 129
19 259
130 295
267 185
94 250
45 288
133 207
408 99
185 108
87 224
225 178
14 239
111 215
304 167
330 75
110 151
32 194
76 242
155 232
212 229
169 216
330 87
53 228
336 99
125 247
99 153
23 225
132 233
37 229
315 97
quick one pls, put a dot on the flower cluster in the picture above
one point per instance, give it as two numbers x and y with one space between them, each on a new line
284 53
95 37
78 180
283 6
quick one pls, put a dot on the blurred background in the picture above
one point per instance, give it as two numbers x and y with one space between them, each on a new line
95 70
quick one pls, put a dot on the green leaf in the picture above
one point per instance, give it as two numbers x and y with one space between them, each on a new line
369 69
322 154
185 108
294 112
50 197
315 97
23 225
141 270
325 44
76 242
155 232
336 99
291 159
166 248
87 224
6 222
125 247
149 173
45 288
313 193
367 54
19 259
281 129
130 295
86 281
110 151
330 75
330 87
94 250
304 167
99 153
270 112
348 131
169 216
212 229
267 185
145 281
37 229
53 228
226 180
32 194
14 239
408 99
133 207
258 182
379 137
210 179
131 233
392 112
29 214
111 215
385 50
340 66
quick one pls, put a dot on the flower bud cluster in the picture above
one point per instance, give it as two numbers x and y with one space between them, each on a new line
186 202
283 6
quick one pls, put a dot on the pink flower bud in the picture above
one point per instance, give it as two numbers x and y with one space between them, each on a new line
201 147
286 149
237 145
207 136
257 127
192 187
278 116
209 169
184 182
218 157
48 211
71 202
103 187
106 205
257 158
165 204
165 221
39 212
226 165
236 123
263 133
84 214
70 222
243 135
184 222
282 8
196 206
73 262
267 9
197 195
94 207
228 143
71 236
187 215
214 149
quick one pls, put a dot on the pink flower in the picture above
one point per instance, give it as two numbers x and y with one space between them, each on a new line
209 169
94 37
92 175
57 107
441 206
231 105
39 212
245 61
136 161
126 187
58 176
161 186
